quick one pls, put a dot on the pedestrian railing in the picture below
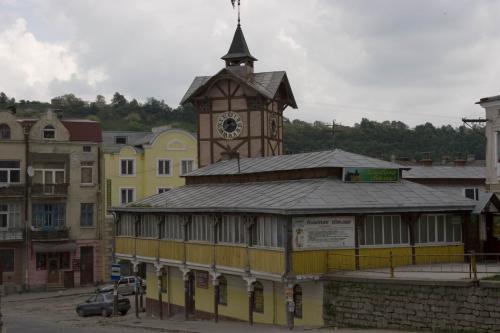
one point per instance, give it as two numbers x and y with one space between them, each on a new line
466 265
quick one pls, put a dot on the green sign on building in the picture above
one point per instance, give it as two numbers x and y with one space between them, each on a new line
370 175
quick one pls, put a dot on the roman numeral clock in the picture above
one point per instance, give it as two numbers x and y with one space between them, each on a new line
239 110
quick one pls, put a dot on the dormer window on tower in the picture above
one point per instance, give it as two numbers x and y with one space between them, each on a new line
49 132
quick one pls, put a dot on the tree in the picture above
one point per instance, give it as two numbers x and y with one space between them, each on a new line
118 100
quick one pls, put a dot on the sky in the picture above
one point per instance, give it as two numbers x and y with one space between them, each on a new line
412 61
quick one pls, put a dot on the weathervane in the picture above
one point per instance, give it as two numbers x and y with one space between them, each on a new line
232 3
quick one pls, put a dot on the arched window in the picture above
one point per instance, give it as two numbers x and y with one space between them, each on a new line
297 299
222 299
258 297
4 132
49 132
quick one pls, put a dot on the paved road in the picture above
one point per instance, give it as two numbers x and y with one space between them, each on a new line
54 313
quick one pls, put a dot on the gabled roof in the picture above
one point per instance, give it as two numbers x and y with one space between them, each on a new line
306 196
265 83
239 47
323 159
445 172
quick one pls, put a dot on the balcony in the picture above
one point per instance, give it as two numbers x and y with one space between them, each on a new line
11 190
48 234
49 190
11 234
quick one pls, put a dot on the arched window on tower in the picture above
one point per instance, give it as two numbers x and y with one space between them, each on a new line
297 299
222 299
258 297
4 132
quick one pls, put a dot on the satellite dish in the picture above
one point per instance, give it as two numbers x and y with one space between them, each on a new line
30 171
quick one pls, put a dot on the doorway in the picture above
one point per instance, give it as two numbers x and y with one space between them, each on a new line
86 265
492 233
53 268
190 294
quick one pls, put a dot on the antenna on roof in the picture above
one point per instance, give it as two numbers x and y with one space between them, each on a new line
333 133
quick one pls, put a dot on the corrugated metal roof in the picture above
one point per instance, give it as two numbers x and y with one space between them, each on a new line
307 196
323 159
445 172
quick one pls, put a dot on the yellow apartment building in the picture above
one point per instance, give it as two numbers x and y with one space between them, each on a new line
141 164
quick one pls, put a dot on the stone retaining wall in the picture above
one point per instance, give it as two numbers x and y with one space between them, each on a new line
415 305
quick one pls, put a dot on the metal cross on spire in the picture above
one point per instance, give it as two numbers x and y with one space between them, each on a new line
232 3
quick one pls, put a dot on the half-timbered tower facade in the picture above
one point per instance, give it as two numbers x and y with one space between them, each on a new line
240 112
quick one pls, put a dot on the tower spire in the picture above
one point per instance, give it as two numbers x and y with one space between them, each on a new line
238 53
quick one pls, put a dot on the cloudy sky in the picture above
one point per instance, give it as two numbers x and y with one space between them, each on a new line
414 61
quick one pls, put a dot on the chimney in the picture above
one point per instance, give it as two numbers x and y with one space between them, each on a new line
427 159
460 162
59 113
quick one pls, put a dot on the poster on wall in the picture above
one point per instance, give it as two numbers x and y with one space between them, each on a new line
323 232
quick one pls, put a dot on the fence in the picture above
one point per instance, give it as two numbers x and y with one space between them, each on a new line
470 265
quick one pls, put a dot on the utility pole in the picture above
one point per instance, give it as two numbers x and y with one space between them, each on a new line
333 133
1 291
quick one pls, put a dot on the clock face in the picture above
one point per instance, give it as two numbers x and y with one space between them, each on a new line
229 125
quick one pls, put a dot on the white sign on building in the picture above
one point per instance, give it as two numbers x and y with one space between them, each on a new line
323 232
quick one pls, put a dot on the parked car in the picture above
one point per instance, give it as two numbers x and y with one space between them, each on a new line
126 286
102 304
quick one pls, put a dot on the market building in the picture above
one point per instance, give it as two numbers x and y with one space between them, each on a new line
253 234
50 211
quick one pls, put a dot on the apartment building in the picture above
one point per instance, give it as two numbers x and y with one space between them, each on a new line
141 164
50 206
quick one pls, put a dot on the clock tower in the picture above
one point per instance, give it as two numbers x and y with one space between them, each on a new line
240 112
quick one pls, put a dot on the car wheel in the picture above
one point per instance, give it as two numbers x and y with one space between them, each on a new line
105 313
81 313
123 313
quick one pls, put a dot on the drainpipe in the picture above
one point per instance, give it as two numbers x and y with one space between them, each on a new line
27 197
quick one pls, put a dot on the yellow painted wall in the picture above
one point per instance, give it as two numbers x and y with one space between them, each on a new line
341 259
272 261
231 256
171 250
310 262
204 298
378 257
237 299
439 254
175 145
199 253
125 245
312 305
172 144
147 247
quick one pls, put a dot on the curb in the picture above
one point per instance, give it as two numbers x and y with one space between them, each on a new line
155 329
47 297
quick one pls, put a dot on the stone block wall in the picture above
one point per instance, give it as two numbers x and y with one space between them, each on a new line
448 306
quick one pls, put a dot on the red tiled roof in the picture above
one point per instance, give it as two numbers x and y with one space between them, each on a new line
83 130
79 129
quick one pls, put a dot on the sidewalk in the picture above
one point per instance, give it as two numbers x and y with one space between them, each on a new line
178 325
31 296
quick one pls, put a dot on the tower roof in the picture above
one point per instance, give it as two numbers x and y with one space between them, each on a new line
239 48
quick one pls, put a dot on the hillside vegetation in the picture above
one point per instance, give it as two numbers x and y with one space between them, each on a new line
372 138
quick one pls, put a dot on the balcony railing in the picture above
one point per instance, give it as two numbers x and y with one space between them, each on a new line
12 234
11 190
50 234
49 189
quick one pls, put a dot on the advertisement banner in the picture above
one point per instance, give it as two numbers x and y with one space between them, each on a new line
369 175
323 232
